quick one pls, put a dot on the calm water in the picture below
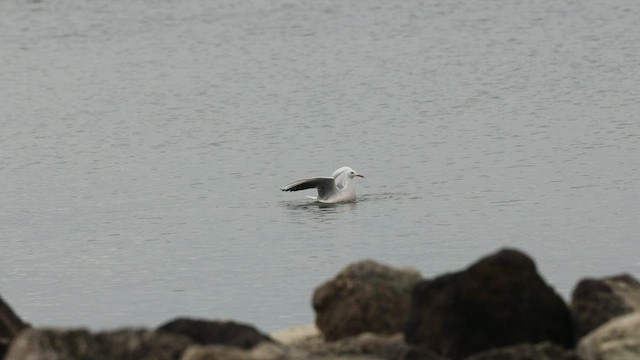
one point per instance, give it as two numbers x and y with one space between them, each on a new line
143 145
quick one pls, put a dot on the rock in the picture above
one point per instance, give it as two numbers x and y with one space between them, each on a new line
10 326
362 347
421 353
138 344
207 332
541 351
215 352
299 336
365 345
307 343
262 351
618 339
498 301
596 301
364 297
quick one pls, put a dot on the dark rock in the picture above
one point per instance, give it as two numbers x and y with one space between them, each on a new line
207 332
596 301
125 344
10 326
541 351
364 297
421 353
618 339
498 301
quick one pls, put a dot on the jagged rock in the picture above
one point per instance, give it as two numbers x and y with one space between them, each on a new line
10 326
364 297
207 332
596 301
498 301
618 339
80 344
541 351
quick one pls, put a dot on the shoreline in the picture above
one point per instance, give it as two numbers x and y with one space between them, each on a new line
499 307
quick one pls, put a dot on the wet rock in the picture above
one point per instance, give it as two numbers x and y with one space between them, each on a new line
207 332
364 297
596 301
541 351
618 339
79 344
498 301
10 326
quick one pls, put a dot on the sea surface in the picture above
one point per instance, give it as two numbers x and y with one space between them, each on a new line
143 145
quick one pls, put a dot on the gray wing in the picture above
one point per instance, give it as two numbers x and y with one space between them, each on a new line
325 185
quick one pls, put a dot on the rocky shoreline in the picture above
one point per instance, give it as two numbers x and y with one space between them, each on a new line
499 308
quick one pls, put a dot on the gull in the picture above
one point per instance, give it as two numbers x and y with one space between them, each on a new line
340 187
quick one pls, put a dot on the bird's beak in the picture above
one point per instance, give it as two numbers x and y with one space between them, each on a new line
360 175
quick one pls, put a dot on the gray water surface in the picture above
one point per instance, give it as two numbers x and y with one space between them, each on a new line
143 145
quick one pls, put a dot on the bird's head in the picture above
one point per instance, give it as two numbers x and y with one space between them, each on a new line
352 173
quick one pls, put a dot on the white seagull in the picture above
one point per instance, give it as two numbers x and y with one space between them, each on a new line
340 187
